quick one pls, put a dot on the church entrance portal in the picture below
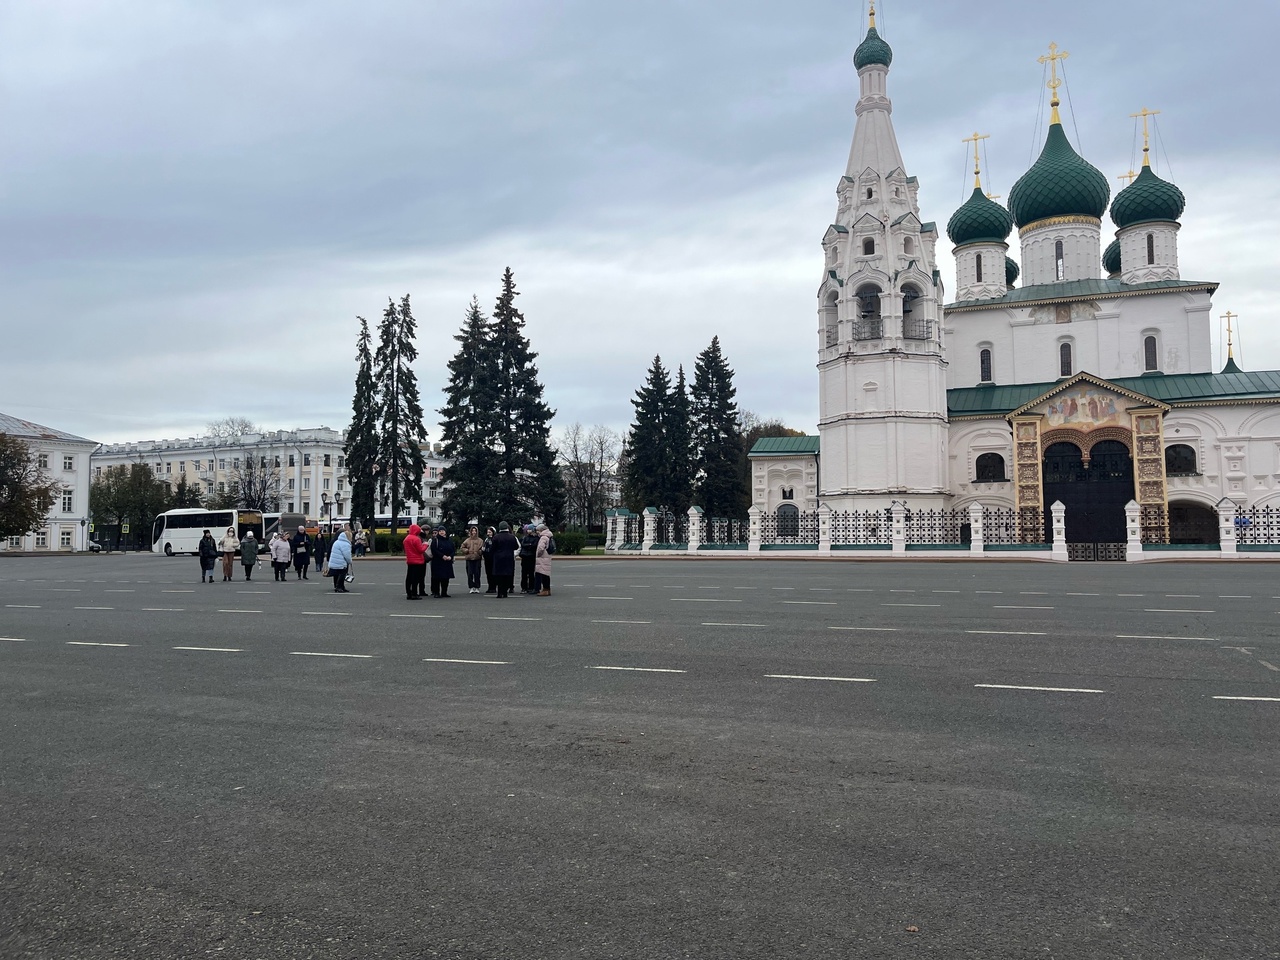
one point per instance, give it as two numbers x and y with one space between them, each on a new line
1094 491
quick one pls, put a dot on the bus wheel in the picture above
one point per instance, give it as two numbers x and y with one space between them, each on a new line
168 549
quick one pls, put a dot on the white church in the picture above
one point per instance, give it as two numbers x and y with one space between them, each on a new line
1091 383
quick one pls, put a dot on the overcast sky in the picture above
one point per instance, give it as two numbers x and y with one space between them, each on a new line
198 198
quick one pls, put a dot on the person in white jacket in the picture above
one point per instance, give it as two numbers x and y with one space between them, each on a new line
281 553
230 546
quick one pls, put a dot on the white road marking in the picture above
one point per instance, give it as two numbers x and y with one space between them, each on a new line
1006 686
1143 636
1130 594
177 591
513 618
418 616
782 588
1016 606
1012 633
1165 610
324 613
1270 666
869 629
610 598
63 589
1034 593
700 600
213 649
813 603
988 591
622 621
13 639
162 609
796 676
821 589
944 591
1261 699
93 643
910 604
93 608
350 656
735 624
493 663
1183 596
239 611
717 588
117 590
23 606
1235 596
902 591
1084 594
639 669
872 590
256 592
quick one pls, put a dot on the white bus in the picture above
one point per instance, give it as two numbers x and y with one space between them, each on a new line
179 531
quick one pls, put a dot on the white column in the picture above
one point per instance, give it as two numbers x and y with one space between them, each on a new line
648 528
977 541
1059 543
898 528
695 529
824 528
1227 526
753 534
1133 530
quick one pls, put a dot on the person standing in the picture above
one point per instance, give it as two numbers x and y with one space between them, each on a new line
230 546
415 558
208 556
249 554
505 547
339 562
488 561
542 564
280 554
442 550
301 546
472 552
528 559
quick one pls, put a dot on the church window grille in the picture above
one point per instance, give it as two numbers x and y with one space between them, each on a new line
1151 248
1064 360
788 493
1180 461
1150 355
868 247
984 366
977 263
869 324
1060 263
990 468
914 326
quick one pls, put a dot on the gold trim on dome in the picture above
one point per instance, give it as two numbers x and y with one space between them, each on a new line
1059 221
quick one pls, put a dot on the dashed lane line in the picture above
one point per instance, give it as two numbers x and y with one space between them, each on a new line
93 608
910 604
324 613
1069 594
177 591
1182 596
490 663
622 621
1018 606
23 606
530 619
1143 636
348 656
1270 666
1255 699
13 640
1011 633
120 590
868 629
797 676
239 611
1009 686
417 616
1167 610
813 603
163 609
1235 596
700 600
639 669
93 643
213 649
610 598
735 624
1130 594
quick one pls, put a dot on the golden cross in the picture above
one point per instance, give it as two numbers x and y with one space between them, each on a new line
1052 58
993 196
1127 176
1146 138
873 13
1229 316
975 139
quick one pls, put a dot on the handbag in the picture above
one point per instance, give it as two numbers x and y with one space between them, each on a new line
324 570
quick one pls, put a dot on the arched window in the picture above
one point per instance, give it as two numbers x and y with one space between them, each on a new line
914 326
1151 248
788 493
1060 265
788 520
908 245
830 319
1064 360
990 469
978 266
1180 460
870 193
984 366
868 247
1150 355
868 325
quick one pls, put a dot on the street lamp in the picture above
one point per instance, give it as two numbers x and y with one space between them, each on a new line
324 507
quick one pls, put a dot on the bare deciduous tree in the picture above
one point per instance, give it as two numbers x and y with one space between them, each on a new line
229 428
588 461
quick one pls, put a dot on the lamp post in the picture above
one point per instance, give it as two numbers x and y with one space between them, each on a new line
324 507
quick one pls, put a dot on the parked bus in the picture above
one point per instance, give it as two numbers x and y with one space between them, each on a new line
179 531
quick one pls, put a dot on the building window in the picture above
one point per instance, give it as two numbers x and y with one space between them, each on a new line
235 487
870 193
168 467
15 543
291 506
291 482
182 466
984 366
306 483
1064 360
64 538
277 462
222 487
306 507
222 464
306 459
788 493
235 464
68 463
339 484
1180 461
68 501
1151 248
262 462
908 245
97 471
326 459
42 538
914 326
868 326
342 461
326 483
977 263
208 487
1149 354
990 469
868 247
291 460
42 461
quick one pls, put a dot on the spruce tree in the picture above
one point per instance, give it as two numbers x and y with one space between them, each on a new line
361 447
468 426
678 474
717 436
400 433
644 477
528 478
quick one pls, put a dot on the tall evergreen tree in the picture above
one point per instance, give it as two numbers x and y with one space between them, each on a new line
361 447
528 478
644 478
678 475
717 436
468 425
400 433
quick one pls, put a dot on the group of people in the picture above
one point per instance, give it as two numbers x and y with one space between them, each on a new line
284 550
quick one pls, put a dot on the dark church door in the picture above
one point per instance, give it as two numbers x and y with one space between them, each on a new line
1094 495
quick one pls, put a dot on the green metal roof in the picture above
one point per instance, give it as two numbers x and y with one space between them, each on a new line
1147 199
979 220
1179 388
784 446
1060 183
1111 257
872 49
1095 289
1011 271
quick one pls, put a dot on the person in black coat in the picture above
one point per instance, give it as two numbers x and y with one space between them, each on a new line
490 582
503 551
441 548
301 547
208 556
528 557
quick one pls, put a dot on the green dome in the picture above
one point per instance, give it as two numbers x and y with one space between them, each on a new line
1111 257
1011 272
872 50
979 220
1061 183
1147 198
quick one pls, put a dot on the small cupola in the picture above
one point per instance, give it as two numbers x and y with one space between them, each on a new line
1146 214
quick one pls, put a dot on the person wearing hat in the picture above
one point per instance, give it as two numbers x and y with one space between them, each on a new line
491 584
472 552
208 556
542 562
230 546
301 546
415 558
528 559
442 551
249 554
503 550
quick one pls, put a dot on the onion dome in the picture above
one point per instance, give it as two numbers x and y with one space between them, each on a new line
1147 199
872 50
1011 272
1111 257
1061 183
979 220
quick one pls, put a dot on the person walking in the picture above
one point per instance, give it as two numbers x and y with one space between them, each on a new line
301 547
473 552
230 546
528 559
340 562
488 561
542 561
281 551
208 556
415 558
442 551
249 554
505 547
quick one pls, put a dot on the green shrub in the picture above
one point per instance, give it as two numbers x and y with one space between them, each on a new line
570 542
385 543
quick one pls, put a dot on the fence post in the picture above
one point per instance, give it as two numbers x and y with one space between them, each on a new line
898 528
977 538
648 528
1133 530
1058 545
824 528
610 530
1227 526
695 529
753 534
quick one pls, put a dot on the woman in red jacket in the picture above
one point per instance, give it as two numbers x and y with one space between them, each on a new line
415 556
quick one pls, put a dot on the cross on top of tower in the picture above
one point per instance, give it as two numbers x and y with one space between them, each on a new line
873 13
1229 316
977 169
1146 137
1052 58
1127 177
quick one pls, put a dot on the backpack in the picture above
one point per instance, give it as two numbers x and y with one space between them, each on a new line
551 545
